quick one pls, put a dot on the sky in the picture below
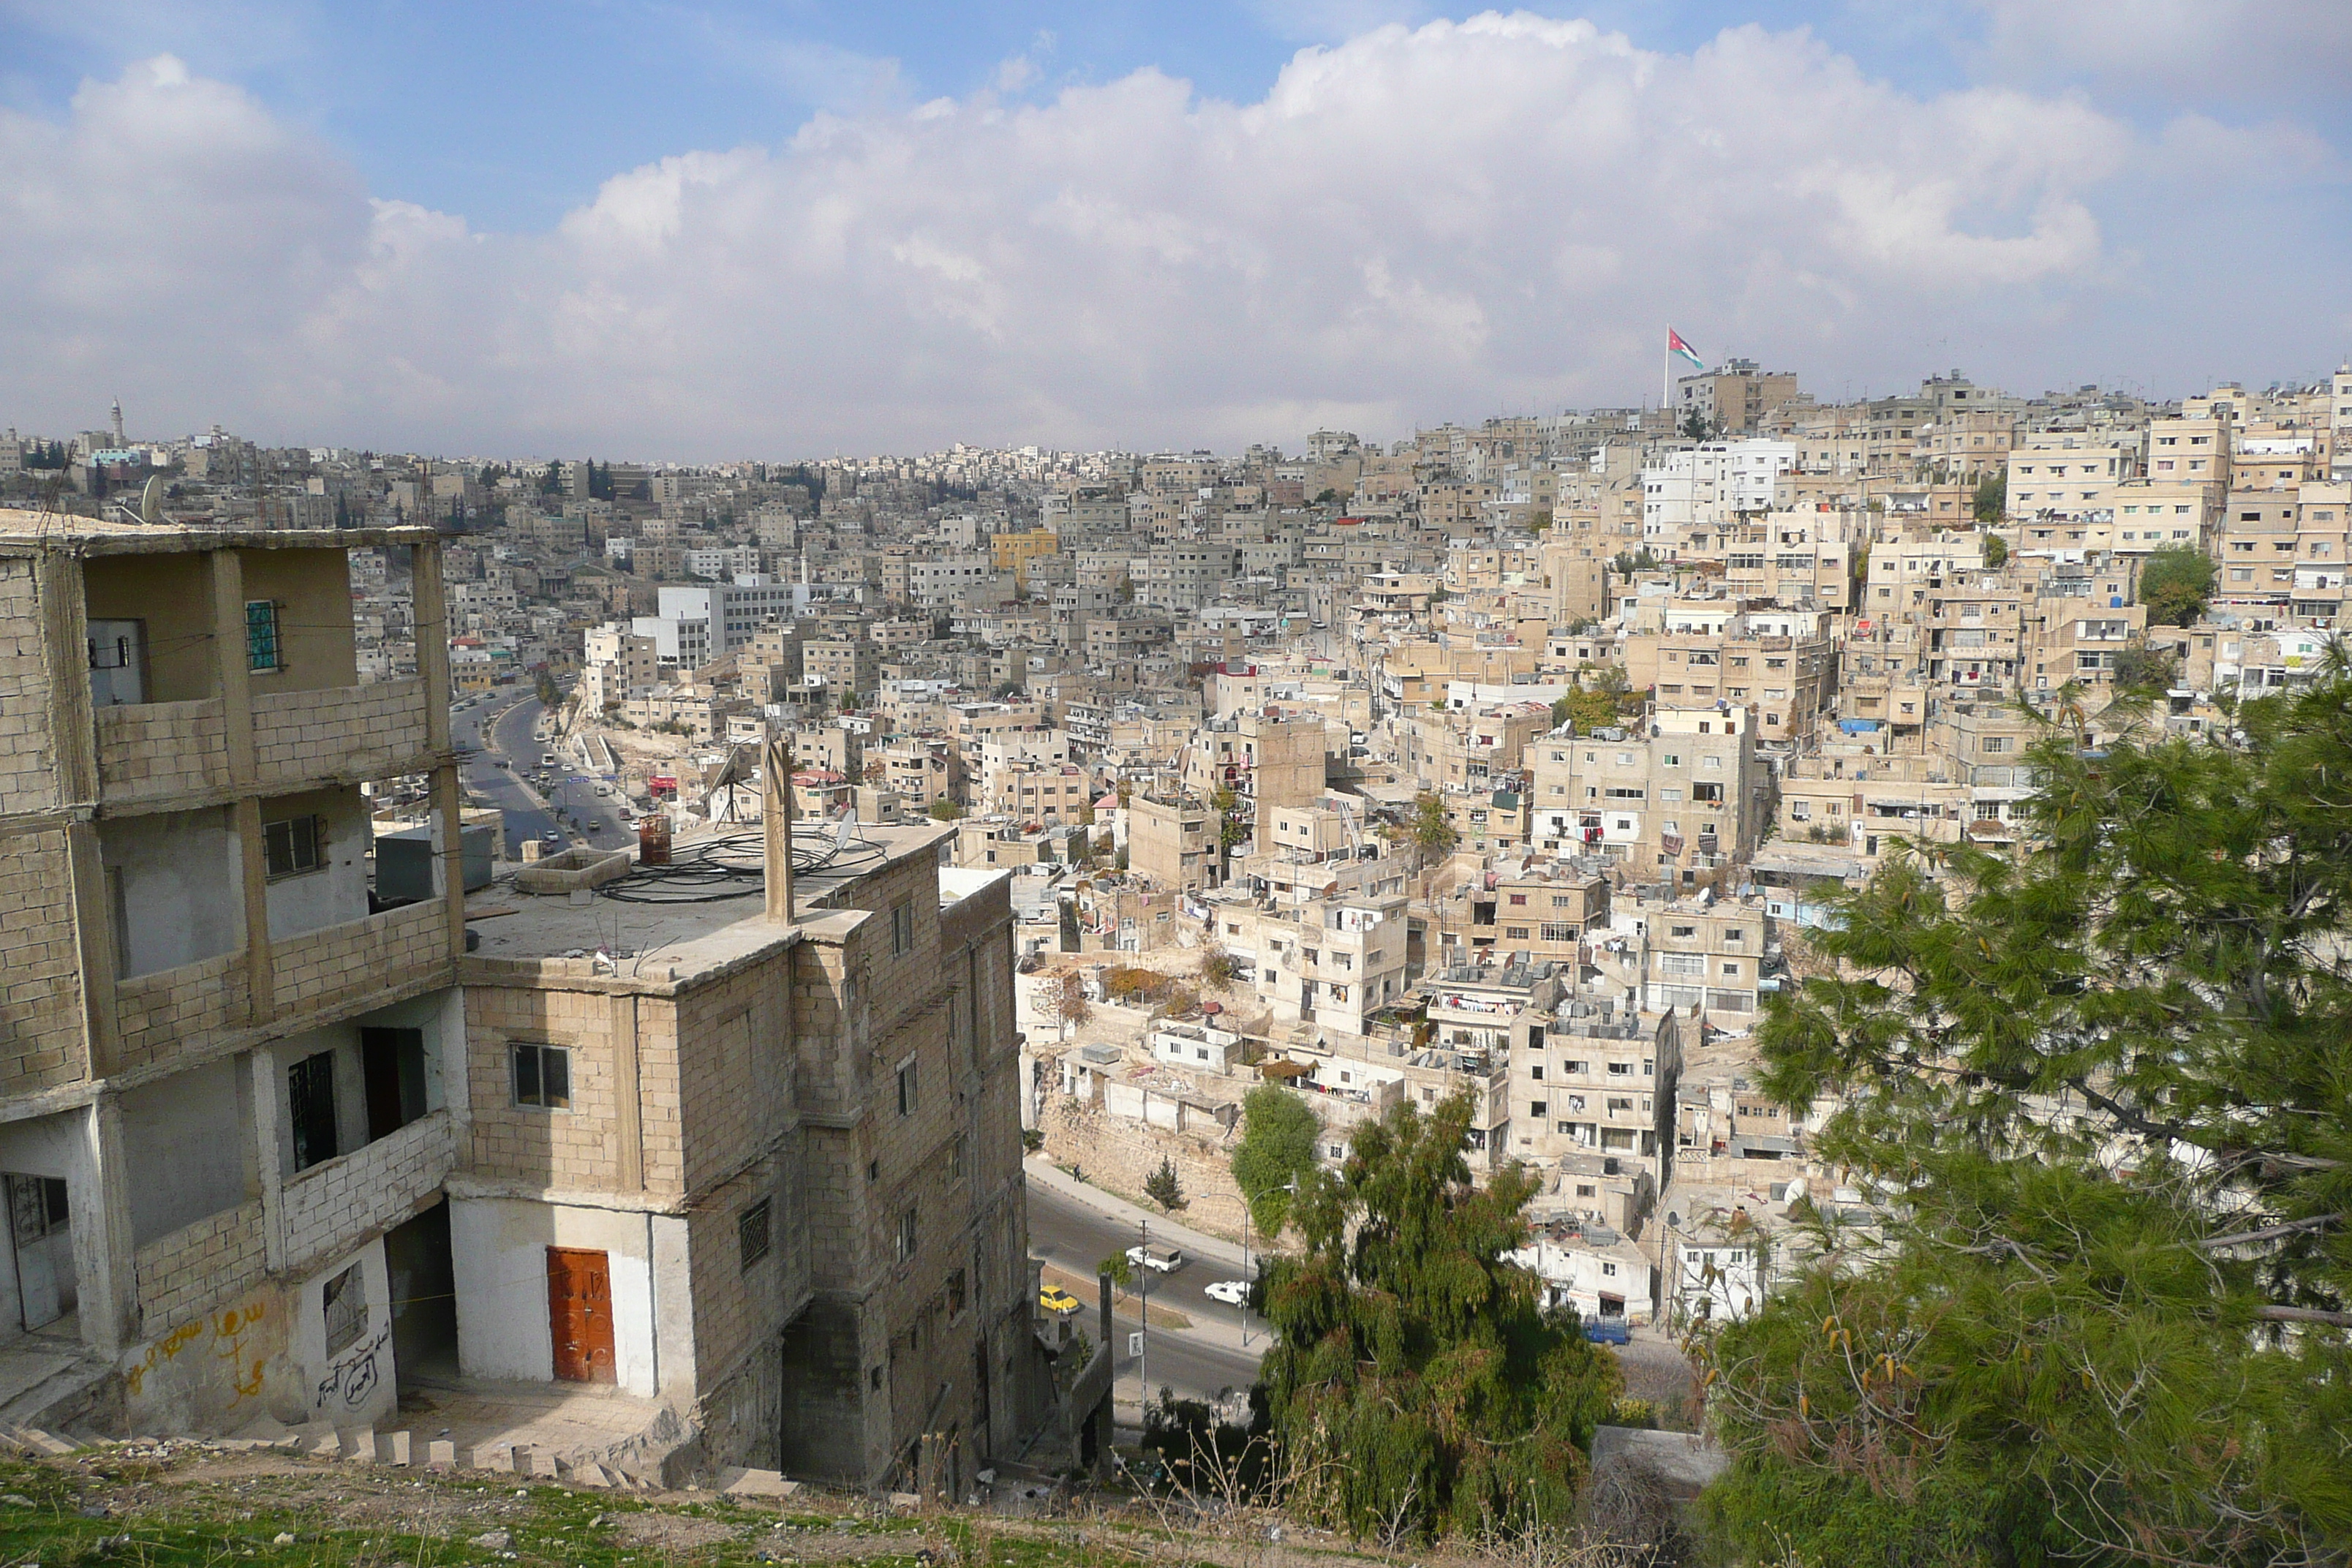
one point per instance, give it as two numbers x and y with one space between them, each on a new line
697 232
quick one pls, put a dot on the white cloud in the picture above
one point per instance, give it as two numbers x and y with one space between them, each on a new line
1417 224
2214 50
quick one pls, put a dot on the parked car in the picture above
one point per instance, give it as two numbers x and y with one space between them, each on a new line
1608 1332
1054 1299
1232 1292
1166 1260
552 837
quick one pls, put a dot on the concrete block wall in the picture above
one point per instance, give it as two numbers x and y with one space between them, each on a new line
163 1014
28 760
337 731
734 1085
156 750
340 963
740 1313
198 1267
41 1035
325 1207
578 1149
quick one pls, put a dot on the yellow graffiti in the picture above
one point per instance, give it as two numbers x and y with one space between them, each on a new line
228 1344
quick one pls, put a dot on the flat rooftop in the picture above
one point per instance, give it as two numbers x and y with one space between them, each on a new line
705 911
24 531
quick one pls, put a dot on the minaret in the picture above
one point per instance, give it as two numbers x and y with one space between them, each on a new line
119 439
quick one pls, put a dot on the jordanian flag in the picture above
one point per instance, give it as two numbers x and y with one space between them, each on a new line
1675 345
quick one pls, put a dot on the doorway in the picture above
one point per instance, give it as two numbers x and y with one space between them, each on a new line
424 1296
580 1314
40 1232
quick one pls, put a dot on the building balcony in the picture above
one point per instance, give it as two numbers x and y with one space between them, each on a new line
162 751
378 1184
329 968
161 754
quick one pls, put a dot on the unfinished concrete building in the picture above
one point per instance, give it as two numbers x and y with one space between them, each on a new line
231 1053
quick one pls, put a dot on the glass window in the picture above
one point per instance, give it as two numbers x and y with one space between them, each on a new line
542 1077
293 846
345 1301
262 650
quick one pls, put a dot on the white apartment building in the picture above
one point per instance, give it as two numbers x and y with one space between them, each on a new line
694 625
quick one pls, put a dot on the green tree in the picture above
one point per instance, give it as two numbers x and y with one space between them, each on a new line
1996 550
552 479
1279 1131
1232 816
1163 1188
2105 1076
1416 1386
1991 500
2175 584
1695 426
2140 668
946 810
1432 834
544 689
1217 970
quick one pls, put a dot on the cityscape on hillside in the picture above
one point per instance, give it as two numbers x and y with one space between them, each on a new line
1513 764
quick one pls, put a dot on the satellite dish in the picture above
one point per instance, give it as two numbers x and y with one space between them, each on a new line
150 499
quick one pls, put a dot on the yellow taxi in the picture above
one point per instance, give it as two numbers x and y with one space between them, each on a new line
1054 1299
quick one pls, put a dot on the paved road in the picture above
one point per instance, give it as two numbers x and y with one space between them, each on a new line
502 726
1074 1238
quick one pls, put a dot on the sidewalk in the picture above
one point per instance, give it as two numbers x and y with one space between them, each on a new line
1045 1173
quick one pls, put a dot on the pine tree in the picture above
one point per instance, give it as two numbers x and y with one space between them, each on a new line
1417 1388
2100 1086
1162 1187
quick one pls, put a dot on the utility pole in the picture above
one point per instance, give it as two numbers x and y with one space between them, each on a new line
1143 1307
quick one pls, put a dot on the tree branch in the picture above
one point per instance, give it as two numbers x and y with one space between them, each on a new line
2303 1315
2271 1233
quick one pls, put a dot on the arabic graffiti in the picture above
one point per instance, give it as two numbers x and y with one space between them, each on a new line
229 1330
354 1378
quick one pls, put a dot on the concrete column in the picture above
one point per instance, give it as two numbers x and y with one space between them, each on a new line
776 825
448 802
65 638
628 1110
234 674
73 730
227 573
268 1135
261 987
430 610
93 915
105 1260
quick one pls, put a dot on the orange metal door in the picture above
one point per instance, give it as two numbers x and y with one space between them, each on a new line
580 1314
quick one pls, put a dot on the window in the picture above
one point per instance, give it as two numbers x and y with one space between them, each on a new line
902 927
955 1294
262 651
1707 791
907 1087
1536 1108
295 846
1537 1072
959 1156
906 1236
751 1239
1518 898
345 1303
1515 933
310 1095
1557 930
542 1077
